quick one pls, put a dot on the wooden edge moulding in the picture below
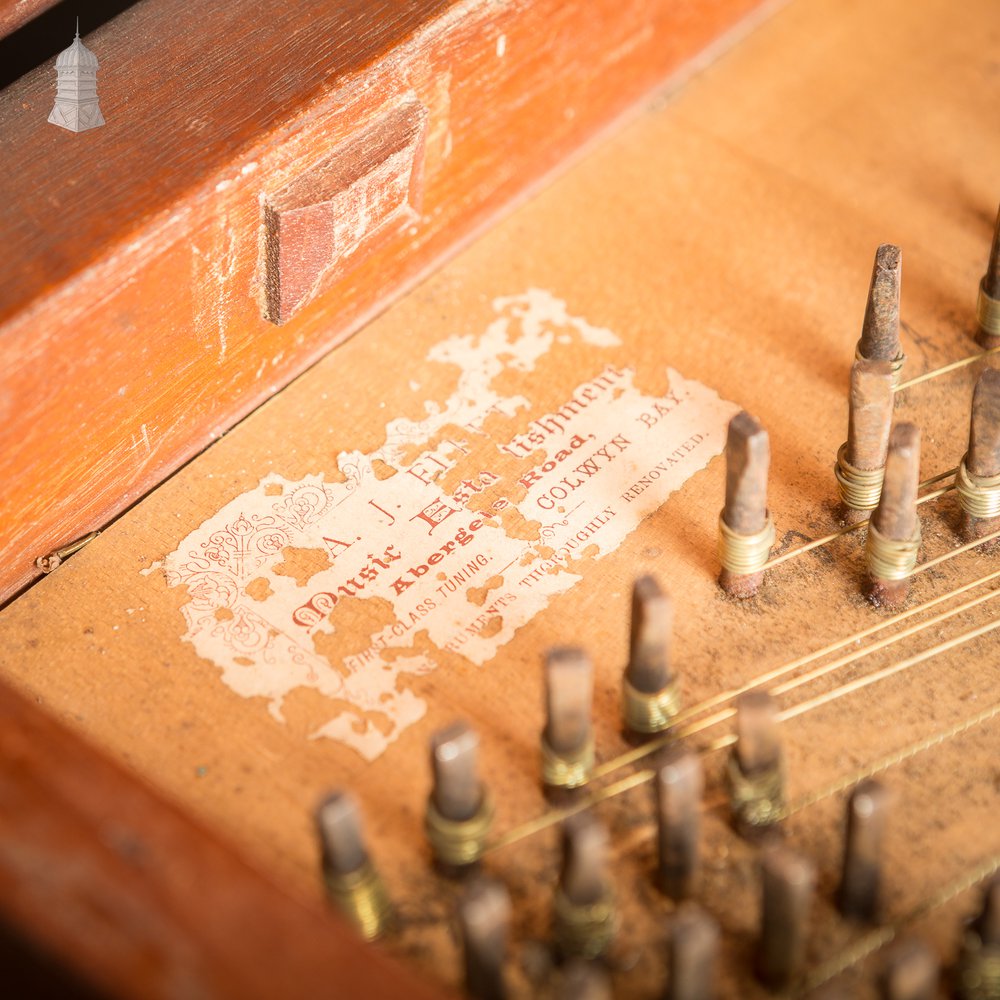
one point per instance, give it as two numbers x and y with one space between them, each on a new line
15 13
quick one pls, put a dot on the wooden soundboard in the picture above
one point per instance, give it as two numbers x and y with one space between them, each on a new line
395 541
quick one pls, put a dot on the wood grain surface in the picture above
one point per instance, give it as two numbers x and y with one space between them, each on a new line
728 235
145 902
133 300
15 13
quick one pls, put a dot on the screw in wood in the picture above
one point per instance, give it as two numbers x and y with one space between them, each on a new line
755 768
860 465
977 972
459 811
978 481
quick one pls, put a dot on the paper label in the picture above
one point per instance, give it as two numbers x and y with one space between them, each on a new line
446 539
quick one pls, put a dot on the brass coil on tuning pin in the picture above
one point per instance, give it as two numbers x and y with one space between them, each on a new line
746 531
893 540
459 809
650 691
755 770
584 914
352 882
860 466
988 312
859 488
978 495
567 740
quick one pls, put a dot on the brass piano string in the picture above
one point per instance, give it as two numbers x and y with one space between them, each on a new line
874 940
847 529
889 761
916 380
834 665
641 777
945 369
651 747
937 560
638 778
802 707
864 681
553 817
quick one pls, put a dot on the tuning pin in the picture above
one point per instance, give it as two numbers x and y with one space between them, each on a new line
746 532
755 770
567 740
978 480
484 921
910 972
880 331
694 950
459 811
978 973
680 783
860 466
650 692
860 886
894 530
584 904
988 304
788 882
351 880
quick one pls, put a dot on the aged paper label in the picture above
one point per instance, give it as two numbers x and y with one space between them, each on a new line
430 550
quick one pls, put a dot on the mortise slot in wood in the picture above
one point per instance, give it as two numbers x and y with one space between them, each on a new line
329 218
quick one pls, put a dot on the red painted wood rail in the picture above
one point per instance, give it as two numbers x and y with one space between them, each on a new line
166 273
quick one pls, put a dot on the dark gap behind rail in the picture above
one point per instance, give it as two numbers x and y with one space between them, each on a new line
50 32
